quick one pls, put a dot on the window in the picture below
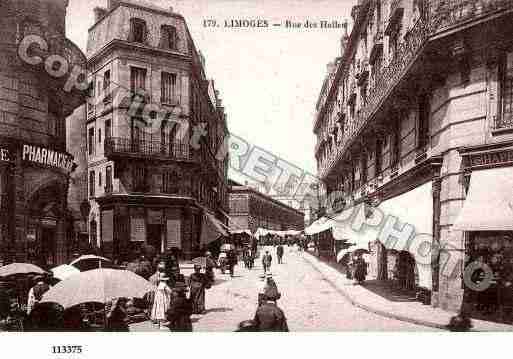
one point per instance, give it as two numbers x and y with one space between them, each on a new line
170 181
106 80
139 178
168 83
395 150
137 78
393 44
108 129
363 169
505 118
379 156
108 179
168 39
100 179
92 184
90 141
137 31
423 135
99 135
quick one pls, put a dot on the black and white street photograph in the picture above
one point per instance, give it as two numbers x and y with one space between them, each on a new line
293 166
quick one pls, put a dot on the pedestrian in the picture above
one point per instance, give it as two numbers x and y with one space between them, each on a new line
232 260
176 276
360 271
210 264
5 300
267 261
279 253
179 314
269 317
199 283
161 301
116 318
36 292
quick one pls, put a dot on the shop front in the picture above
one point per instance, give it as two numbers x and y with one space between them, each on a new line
33 191
486 219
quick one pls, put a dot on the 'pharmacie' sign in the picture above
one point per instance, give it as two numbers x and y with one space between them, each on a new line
490 159
46 157
38 155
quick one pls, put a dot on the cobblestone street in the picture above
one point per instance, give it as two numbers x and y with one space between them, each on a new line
309 301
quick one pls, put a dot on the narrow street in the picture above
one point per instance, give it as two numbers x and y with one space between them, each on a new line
309 301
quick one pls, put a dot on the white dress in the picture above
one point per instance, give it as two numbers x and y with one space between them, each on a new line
161 302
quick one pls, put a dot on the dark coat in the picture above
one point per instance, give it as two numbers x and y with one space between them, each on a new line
279 250
267 259
179 315
270 318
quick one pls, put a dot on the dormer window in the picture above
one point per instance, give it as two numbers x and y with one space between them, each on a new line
168 37
138 31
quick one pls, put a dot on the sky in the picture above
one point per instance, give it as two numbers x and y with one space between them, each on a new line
269 78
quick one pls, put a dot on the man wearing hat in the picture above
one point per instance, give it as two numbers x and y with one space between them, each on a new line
199 282
36 292
269 317
179 314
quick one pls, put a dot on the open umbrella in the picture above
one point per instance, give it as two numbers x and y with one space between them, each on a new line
20 268
64 271
90 261
98 285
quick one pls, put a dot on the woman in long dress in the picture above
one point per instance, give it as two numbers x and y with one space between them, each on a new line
161 302
199 282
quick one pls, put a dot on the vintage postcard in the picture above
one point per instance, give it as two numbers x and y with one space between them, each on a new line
255 166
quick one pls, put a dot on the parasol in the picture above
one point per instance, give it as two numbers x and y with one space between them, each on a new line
20 268
64 271
98 285
90 261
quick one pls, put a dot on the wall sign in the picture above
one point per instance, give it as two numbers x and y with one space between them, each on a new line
489 159
5 155
47 157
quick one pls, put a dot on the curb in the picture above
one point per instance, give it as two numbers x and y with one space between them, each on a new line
367 308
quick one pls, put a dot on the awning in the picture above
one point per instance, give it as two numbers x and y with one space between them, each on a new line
489 202
320 225
343 230
415 208
212 229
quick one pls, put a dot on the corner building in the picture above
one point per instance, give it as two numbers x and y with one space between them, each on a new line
415 118
34 165
148 182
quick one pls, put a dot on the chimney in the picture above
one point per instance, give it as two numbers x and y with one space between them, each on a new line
111 4
99 13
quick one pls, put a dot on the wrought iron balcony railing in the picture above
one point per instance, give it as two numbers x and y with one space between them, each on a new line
439 16
149 149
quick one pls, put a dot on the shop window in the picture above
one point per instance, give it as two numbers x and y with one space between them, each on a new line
108 179
137 79
138 31
423 135
168 37
90 141
92 184
505 118
168 83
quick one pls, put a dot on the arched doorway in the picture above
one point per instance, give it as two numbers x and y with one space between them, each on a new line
44 216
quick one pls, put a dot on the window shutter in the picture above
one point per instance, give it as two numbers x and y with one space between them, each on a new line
131 35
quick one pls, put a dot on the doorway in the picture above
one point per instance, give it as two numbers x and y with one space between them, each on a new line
48 248
154 236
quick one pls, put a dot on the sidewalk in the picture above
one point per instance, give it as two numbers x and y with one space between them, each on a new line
391 306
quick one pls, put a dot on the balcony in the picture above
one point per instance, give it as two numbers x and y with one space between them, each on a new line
438 18
363 72
116 147
396 13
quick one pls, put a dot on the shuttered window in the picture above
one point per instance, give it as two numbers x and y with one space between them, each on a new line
168 83
505 120
137 78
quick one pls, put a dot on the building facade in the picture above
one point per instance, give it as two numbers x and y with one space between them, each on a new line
413 118
36 63
151 177
250 209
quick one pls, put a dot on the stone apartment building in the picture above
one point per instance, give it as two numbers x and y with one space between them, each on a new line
414 118
150 180
36 63
251 209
